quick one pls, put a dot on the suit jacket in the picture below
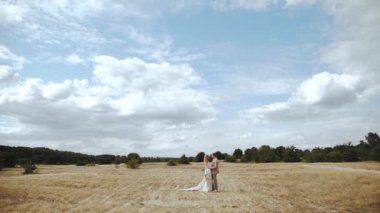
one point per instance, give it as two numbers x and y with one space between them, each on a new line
214 166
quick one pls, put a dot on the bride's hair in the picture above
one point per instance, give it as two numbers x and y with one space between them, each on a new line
205 159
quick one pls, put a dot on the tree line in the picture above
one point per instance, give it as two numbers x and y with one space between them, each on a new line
10 156
368 149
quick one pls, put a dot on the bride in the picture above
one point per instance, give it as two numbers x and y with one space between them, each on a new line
206 184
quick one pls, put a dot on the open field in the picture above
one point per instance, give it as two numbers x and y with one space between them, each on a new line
277 187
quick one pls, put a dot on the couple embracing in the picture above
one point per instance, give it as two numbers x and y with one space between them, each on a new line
209 182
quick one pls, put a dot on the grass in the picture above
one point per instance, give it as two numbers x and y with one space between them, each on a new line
275 187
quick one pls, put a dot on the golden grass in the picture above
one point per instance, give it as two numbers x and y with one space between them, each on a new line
276 187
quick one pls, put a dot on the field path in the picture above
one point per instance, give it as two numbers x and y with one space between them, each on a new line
348 169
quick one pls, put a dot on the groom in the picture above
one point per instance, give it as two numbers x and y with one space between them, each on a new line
214 171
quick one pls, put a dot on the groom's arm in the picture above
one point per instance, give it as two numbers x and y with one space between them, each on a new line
213 165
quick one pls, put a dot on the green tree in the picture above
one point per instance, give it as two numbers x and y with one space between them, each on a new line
373 139
8 159
238 153
280 152
290 155
230 159
134 156
248 155
220 156
266 154
183 160
334 156
199 157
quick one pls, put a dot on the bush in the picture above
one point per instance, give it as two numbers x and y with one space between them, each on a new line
91 164
133 163
183 160
134 156
171 163
199 157
8 159
230 159
334 156
244 159
375 153
290 155
81 163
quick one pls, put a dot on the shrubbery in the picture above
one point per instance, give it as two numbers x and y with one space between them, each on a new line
183 160
230 159
133 164
171 163
81 163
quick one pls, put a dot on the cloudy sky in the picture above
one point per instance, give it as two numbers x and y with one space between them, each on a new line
163 78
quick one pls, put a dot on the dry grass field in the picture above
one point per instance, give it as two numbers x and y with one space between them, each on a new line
277 187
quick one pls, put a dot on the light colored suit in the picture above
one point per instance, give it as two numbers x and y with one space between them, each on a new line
214 167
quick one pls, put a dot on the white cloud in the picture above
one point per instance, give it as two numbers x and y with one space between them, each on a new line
257 5
74 59
158 48
353 55
128 100
7 77
244 4
7 57
315 97
289 3
11 13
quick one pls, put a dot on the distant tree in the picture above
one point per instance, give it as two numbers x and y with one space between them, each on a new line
105 159
171 163
238 153
8 159
290 155
81 163
266 154
230 159
219 155
183 160
280 152
334 156
372 139
244 159
134 156
348 152
375 153
199 157
133 163
364 150
248 155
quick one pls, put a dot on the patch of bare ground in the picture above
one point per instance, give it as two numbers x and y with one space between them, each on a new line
277 187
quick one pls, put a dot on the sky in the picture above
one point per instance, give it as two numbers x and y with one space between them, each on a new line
165 78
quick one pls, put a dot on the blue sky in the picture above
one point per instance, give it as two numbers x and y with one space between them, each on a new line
187 76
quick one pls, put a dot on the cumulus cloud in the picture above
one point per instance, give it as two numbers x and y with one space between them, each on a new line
314 97
7 77
257 5
352 57
127 100
8 57
11 13
74 59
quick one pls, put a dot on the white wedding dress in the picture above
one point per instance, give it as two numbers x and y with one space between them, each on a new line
206 184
